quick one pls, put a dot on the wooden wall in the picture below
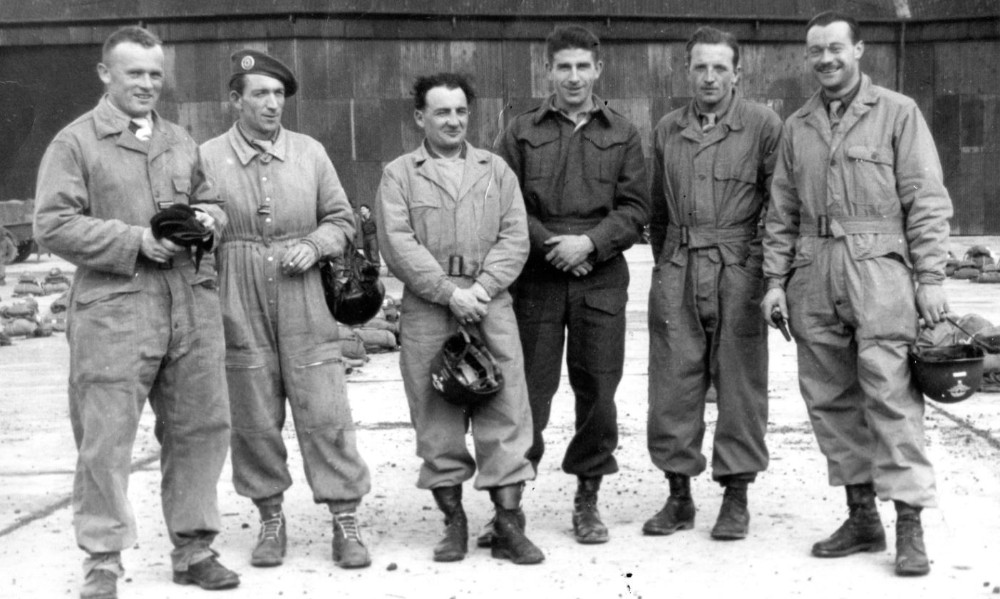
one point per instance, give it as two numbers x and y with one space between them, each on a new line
354 89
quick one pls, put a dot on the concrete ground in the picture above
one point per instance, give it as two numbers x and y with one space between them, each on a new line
791 505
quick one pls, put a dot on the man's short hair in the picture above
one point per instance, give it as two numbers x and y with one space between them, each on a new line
711 35
238 84
131 33
572 37
426 83
831 16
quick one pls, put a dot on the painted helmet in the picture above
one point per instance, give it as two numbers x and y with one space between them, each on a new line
464 372
947 374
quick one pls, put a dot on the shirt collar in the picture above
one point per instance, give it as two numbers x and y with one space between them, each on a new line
549 109
845 100
112 120
432 154
247 150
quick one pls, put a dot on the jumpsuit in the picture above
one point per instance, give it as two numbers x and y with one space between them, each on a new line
281 340
856 211
158 330
420 225
704 322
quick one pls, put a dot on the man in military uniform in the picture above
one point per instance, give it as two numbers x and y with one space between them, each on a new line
582 174
153 315
714 160
452 228
368 234
858 213
286 210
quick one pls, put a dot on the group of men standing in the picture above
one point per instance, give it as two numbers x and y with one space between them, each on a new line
836 211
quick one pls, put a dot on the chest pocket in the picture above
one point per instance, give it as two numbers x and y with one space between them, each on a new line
182 190
541 151
603 153
872 177
427 216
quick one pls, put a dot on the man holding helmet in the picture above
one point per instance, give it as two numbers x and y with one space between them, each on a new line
286 210
858 212
452 227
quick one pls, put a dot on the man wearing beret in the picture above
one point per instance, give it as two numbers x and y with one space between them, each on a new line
143 320
286 211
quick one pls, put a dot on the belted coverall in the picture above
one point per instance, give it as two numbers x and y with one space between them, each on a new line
856 212
420 225
708 192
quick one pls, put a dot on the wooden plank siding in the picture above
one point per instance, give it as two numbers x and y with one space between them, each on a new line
356 67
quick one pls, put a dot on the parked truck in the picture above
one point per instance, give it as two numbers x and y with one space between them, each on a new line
15 228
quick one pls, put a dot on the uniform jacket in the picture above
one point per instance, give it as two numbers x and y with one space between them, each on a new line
420 225
715 184
590 182
98 186
292 195
880 163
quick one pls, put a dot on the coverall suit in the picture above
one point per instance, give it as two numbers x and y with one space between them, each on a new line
708 192
420 225
856 211
281 340
136 329
577 180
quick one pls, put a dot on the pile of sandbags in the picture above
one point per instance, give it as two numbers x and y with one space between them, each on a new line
380 334
977 265
20 319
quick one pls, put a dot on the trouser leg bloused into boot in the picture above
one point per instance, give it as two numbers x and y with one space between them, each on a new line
509 541
678 513
587 525
734 517
862 531
911 555
455 544
272 541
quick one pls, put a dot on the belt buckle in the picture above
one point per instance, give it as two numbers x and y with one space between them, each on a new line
685 236
456 265
823 226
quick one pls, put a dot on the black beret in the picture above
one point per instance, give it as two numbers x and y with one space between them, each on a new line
247 62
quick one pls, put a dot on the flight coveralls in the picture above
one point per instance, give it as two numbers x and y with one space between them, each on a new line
587 180
281 340
856 212
136 329
708 192
420 226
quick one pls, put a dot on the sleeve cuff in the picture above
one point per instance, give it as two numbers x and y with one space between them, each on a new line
777 283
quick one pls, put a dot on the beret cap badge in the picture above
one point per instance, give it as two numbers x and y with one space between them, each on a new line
247 63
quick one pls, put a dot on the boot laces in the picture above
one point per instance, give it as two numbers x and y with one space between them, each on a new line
270 528
348 523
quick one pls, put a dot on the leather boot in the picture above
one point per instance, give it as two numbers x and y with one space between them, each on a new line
101 573
349 549
587 525
678 513
911 555
455 544
862 531
509 541
272 541
485 538
734 517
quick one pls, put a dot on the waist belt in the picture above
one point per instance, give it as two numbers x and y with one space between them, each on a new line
839 226
570 226
704 237
458 266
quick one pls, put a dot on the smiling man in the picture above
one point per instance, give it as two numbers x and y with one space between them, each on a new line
713 166
143 318
452 228
582 174
859 213
287 210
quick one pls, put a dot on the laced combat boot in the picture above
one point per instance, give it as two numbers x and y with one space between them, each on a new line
678 513
349 549
509 541
455 544
587 525
734 517
272 541
862 531
911 555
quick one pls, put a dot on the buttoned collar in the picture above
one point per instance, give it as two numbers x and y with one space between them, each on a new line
731 118
111 120
865 94
247 151
549 109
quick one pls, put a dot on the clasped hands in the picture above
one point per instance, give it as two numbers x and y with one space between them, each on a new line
162 250
569 253
469 305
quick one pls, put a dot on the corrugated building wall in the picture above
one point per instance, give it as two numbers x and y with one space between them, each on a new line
357 60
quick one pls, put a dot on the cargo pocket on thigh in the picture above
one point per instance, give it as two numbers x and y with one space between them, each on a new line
741 297
317 390
251 393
